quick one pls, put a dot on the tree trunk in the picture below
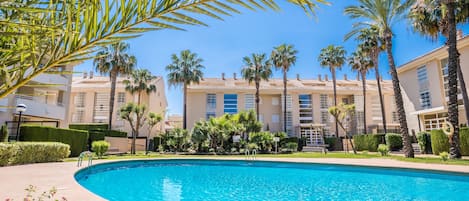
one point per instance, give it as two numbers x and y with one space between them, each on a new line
406 141
184 121
462 84
113 75
380 93
453 112
257 100
285 100
335 99
364 100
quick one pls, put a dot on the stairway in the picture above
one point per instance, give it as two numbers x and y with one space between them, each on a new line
416 148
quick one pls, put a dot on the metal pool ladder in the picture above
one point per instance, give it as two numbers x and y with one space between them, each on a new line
250 155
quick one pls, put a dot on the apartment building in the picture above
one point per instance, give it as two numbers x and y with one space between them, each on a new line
90 102
46 97
308 101
425 83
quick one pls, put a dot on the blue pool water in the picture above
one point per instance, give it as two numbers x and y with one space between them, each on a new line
172 180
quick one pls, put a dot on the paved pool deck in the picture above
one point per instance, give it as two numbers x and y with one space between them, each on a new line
14 179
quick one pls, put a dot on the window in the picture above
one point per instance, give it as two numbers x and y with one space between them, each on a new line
444 70
211 101
359 115
60 98
77 117
434 121
425 101
101 107
121 97
395 117
230 103
324 117
306 108
275 101
249 102
209 115
324 101
275 118
376 109
79 99
358 101
422 75
290 124
289 102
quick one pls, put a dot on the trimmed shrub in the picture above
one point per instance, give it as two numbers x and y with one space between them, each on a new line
425 142
32 152
383 149
440 142
394 141
444 156
4 133
77 139
464 141
100 147
368 142
331 141
115 133
291 146
88 127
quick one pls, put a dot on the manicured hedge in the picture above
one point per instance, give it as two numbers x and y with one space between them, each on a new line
114 133
32 152
88 127
4 133
331 141
464 141
440 142
367 142
77 139
394 141
96 135
425 142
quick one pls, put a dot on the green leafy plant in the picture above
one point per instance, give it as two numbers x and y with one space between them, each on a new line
100 147
383 149
252 146
368 142
440 142
424 141
394 141
32 152
263 139
291 146
4 133
444 156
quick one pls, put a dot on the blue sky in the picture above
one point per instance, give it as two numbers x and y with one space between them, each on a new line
223 44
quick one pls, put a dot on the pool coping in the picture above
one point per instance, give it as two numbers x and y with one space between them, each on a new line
62 175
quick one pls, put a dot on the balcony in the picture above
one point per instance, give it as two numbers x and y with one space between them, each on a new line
61 80
41 109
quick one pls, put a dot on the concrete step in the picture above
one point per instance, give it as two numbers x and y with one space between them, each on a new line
314 149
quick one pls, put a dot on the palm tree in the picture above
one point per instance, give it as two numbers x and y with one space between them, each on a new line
372 45
360 62
115 61
283 57
257 68
432 18
141 82
333 57
383 14
185 70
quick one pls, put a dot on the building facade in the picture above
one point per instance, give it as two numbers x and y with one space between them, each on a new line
424 81
307 103
90 102
46 97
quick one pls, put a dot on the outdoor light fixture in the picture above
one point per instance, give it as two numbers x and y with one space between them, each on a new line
20 108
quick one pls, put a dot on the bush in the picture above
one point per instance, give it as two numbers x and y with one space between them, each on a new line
252 146
439 141
425 143
32 152
4 133
394 141
115 133
263 139
383 149
96 135
77 139
464 141
100 147
368 142
331 141
291 146
444 156
88 127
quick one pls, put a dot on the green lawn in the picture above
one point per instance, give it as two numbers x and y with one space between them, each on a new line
420 159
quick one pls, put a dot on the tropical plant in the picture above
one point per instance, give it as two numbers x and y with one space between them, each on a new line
249 121
141 82
200 134
40 35
185 70
333 57
153 119
432 18
257 68
114 60
360 62
283 57
342 114
178 139
263 139
384 14
372 45
135 115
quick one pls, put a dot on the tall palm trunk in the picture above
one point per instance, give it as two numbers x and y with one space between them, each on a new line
257 99
408 151
284 99
113 75
454 150
335 100
364 100
184 121
462 84
380 93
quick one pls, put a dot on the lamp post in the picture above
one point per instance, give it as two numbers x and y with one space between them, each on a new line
276 140
20 108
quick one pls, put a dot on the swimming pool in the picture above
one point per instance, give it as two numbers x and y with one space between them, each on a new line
186 179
